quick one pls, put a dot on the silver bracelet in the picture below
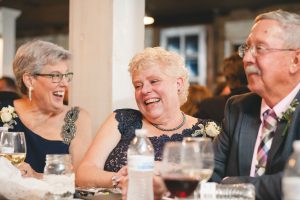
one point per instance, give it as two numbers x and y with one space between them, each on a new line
115 179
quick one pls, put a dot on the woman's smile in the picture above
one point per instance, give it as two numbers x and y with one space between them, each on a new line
151 101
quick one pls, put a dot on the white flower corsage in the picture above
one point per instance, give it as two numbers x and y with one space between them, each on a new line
210 129
288 114
7 115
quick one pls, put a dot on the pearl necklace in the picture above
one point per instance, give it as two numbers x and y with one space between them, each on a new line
172 129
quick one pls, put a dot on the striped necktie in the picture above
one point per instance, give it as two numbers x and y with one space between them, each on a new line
268 129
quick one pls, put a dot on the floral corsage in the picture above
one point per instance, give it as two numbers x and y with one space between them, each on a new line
288 114
210 129
7 115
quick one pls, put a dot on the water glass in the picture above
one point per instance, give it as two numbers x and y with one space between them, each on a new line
206 155
59 174
3 129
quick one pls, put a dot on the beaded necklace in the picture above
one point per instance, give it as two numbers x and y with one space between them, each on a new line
172 129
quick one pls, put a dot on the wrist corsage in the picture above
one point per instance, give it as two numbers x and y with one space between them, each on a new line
288 115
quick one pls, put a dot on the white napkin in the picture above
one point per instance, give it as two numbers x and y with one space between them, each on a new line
14 186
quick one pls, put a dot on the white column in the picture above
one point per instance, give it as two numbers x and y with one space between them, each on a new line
104 35
8 18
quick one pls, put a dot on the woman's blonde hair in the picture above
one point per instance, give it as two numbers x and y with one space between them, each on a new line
171 64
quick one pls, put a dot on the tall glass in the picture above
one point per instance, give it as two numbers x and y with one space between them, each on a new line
206 155
179 168
13 147
3 129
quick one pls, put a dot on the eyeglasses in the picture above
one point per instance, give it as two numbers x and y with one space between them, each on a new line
257 50
57 78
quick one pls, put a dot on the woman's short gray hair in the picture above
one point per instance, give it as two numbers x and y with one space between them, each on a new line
290 23
32 56
171 64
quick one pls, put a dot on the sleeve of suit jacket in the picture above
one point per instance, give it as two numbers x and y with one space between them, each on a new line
226 155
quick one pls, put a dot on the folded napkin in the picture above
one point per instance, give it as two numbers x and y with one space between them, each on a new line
14 186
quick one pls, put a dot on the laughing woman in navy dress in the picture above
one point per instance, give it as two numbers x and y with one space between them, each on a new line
42 74
161 86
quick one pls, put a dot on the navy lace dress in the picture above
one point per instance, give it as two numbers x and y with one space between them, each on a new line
37 146
129 120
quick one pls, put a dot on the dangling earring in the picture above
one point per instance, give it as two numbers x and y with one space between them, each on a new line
29 92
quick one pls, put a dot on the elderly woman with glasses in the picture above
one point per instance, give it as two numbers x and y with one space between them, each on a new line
42 74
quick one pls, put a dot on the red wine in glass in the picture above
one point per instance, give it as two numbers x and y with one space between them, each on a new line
181 186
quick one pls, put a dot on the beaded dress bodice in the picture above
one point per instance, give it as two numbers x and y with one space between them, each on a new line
37 146
128 121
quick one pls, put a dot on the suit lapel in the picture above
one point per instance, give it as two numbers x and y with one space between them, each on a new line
247 137
279 137
247 143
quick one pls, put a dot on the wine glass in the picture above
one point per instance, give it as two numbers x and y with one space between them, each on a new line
180 166
13 147
206 154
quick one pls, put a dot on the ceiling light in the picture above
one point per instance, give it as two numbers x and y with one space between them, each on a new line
148 20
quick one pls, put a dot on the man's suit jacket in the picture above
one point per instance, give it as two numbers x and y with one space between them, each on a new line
234 147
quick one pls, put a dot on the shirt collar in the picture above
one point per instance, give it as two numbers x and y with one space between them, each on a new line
282 105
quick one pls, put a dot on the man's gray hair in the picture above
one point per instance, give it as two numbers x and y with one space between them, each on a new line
290 23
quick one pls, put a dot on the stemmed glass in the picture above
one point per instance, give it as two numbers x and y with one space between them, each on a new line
13 147
206 154
180 168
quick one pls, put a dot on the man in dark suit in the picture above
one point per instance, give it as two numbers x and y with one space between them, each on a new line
271 57
213 107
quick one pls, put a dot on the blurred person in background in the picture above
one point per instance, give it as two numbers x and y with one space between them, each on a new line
213 108
8 89
222 88
42 72
197 93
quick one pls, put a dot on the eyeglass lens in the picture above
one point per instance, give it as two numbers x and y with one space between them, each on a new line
58 77
242 50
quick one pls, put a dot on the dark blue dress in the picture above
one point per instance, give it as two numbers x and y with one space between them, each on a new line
129 120
37 146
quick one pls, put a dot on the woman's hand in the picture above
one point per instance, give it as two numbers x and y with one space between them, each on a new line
121 177
159 187
27 171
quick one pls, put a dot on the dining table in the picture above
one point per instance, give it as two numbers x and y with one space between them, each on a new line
107 197
97 194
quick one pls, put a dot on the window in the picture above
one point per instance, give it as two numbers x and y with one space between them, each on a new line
190 43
